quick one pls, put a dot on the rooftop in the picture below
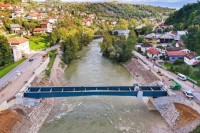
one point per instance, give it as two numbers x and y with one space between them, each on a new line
153 51
176 53
190 55
17 40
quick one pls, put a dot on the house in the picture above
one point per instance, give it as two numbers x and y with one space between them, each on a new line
47 27
20 47
152 36
190 59
145 47
87 22
113 23
51 20
15 28
6 6
174 55
34 16
174 49
17 12
38 30
167 37
154 53
121 33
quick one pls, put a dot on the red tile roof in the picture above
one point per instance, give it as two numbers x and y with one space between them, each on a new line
174 49
17 40
176 53
38 30
153 51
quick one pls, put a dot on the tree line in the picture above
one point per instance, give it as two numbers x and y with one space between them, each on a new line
120 48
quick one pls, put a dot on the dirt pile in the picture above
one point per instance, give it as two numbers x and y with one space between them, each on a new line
186 115
8 119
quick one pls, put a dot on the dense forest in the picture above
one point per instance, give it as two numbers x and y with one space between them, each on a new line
186 16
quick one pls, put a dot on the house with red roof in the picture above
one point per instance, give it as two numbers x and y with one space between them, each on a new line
34 16
20 47
190 59
5 6
38 30
145 46
154 53
174 55
87 22
47 27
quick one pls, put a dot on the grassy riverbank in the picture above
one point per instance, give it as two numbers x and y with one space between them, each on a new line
6 69
52 55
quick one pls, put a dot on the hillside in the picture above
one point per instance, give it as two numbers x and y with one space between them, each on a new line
186 16
118 10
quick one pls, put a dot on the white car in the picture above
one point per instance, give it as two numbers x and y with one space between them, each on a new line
188 94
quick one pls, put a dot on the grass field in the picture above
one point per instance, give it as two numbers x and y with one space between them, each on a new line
52 55
39 42
6 69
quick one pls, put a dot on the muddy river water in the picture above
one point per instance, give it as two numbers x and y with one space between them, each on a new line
99 114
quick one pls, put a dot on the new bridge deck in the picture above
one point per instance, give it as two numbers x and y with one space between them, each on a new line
47 92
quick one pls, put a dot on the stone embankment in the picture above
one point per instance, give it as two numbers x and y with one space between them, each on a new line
35 119
143 75
181 114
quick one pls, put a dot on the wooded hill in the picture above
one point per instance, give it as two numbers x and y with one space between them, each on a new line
188 15
114 10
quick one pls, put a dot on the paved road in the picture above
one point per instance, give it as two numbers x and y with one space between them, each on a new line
185 84
27 69
12 75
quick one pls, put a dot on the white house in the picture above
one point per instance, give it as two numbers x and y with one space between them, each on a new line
145 47
51 20
190 59
121 32
20 47
47 27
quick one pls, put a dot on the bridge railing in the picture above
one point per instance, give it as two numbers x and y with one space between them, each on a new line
44 92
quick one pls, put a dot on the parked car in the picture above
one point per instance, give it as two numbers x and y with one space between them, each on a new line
30 60
182 77
188 94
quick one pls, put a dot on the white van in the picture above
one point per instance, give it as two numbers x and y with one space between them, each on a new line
182 77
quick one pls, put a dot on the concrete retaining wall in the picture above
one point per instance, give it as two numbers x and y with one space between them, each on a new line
19 95
37 72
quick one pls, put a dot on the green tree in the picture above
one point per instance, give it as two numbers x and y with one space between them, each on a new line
122 24
5 51
53 38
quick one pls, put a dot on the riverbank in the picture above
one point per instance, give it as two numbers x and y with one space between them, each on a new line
184 119
32 118
142 74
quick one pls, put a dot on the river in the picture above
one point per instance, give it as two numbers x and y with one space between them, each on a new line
99 114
